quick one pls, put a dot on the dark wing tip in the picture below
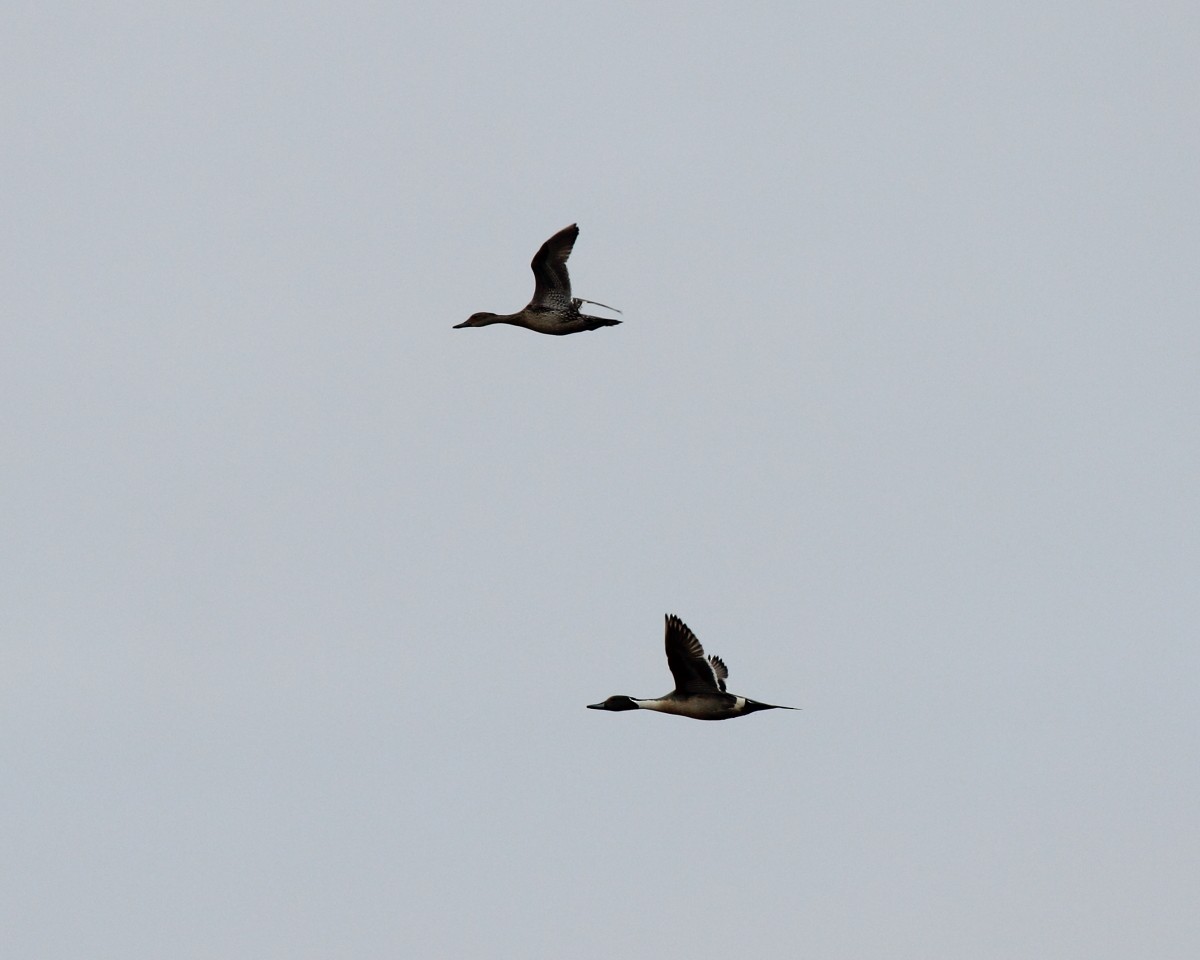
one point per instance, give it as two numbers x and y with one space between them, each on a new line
565 237
680 632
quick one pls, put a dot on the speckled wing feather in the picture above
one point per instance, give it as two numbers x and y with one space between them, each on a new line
552 288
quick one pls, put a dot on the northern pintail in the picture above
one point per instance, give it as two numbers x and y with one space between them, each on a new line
552 309
699 683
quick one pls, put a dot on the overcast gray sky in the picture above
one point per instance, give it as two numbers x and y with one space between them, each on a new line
305 592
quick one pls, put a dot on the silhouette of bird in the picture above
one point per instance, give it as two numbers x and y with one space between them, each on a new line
552 310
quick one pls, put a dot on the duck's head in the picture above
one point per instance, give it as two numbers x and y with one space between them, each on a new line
481 319
615 703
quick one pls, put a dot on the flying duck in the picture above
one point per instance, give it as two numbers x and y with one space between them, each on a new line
552 309
699 683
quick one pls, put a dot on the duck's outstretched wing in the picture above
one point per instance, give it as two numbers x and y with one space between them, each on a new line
693 672
552 283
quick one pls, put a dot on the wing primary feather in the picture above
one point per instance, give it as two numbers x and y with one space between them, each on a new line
692 671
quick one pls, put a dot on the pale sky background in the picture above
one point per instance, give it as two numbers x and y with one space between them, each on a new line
305 592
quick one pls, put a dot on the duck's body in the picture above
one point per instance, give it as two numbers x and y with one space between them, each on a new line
552 310
699 683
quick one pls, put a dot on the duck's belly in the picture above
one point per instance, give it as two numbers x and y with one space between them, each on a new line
698 708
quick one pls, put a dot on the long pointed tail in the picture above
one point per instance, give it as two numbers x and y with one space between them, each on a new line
594 323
